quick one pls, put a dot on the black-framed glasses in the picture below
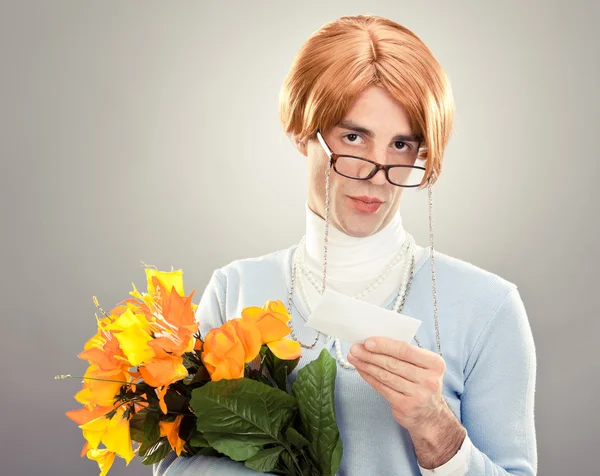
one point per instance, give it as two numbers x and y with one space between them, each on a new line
410 174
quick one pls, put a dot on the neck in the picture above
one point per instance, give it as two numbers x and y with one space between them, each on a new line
351 258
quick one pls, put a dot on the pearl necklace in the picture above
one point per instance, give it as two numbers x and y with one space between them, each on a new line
406 245
407 249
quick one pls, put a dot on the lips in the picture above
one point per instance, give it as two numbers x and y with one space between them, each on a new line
365 203
367 199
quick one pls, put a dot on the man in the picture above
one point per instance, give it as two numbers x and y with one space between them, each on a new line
371 109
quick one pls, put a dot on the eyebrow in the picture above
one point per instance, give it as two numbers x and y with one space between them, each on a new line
346 124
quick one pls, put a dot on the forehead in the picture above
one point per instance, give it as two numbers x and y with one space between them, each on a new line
376 110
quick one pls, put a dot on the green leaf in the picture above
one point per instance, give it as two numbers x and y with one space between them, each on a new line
198 440
209 452
136 426
265 460
243 407
289 462
237 447
151 428
175 402
136 435
187 427
145 446
277 368
295 438
150 394
315 389
157 451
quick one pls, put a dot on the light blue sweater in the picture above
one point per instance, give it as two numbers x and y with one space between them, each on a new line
486 342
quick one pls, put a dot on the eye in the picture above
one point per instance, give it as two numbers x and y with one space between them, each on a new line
352 138
402 146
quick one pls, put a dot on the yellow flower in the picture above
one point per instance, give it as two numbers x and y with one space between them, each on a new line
148 299
100 392
170 429
103 457
113 433
168 279
132 332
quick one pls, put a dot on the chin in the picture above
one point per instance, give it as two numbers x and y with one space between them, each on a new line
357 227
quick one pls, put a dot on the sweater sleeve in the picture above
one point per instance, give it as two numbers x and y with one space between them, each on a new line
497 404
457 465
210 314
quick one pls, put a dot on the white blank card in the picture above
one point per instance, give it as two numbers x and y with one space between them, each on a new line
354 321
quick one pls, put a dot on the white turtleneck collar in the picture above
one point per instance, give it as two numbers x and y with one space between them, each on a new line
349 258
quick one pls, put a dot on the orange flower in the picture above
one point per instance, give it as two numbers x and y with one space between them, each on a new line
174 333
170 429
160 373
224 354
104 351
83 415
163 371
271 321
198 344
250 337
285 349
228 348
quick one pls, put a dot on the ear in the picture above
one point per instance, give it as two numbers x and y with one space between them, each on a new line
301 146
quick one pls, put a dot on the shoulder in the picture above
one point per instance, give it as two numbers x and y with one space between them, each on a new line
476 303
464 272
463 283
263 267
252 281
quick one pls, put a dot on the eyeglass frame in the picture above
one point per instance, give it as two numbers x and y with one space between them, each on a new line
333 157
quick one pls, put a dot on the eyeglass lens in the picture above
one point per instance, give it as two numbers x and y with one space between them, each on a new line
408 175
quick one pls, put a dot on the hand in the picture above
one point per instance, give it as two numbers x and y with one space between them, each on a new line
408 377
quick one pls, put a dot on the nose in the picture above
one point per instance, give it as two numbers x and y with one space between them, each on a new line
379 156
378 178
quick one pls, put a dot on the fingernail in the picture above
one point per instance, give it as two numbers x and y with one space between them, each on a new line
370 344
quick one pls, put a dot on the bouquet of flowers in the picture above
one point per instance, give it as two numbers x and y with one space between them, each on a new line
154 386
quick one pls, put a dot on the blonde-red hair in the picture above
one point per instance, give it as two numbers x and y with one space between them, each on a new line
349 54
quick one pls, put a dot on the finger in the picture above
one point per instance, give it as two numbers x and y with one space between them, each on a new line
399 367
385 377
385 391
405 351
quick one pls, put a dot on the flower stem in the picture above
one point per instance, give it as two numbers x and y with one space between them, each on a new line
62 377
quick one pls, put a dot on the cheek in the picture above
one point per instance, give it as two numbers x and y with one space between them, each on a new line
318 179
397 193
316 168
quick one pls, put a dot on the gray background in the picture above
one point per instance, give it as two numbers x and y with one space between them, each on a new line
148 131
